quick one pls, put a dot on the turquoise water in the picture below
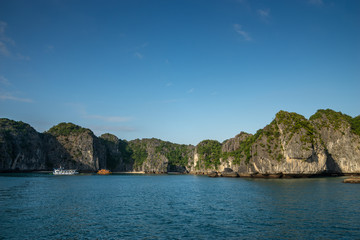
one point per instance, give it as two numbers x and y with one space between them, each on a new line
43 206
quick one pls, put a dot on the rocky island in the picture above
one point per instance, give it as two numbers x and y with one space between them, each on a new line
328 143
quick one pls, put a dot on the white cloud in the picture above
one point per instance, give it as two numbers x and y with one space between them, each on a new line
245 35
6 43
175 100
2 27
49 48
144 45
316 2
4 50
22 57
4 40
114 119
264 12
8 96
102 129
191 90
109 121
169 84
4 81
5 95
138 55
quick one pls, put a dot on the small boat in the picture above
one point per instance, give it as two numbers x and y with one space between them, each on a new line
62 171
104 172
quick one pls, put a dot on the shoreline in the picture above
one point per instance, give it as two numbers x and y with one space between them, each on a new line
213 174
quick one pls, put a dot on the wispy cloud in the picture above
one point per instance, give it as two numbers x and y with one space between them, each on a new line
4 50
138 55
6 43
6 95
9 96
263 12
241 32
22 57
81 110
113 119
49 48
2 27
169 84
191 90
103 128
4 40
137 50
316 2
4 81
175 100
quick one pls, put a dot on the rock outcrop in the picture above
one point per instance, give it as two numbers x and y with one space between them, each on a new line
340 136
290 146
157 156
21 147
327 143
72 146
118 153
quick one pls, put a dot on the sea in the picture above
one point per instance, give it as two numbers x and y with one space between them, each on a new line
44 206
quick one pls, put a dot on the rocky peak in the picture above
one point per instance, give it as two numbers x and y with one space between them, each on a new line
72 146
21 146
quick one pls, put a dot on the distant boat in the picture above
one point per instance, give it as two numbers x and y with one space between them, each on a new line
62 171
104 172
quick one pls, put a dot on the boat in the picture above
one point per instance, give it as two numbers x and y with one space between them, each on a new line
62 171
104 172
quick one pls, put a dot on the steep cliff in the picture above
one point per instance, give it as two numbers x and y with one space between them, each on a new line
291 145
72 146
340 135
21 147
118 153
157 156
288 145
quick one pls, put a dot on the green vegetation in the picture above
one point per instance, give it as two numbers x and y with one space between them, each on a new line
65 129
209 153
244 149
293 123
355 125
138 152
336 119
111 161
126 151
177 155
18 126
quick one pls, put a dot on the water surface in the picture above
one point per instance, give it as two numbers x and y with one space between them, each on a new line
43 206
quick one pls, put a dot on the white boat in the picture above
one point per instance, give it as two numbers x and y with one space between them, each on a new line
62 171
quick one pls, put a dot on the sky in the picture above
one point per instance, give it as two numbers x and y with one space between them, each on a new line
179 70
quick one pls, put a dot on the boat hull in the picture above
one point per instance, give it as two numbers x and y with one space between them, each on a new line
64 172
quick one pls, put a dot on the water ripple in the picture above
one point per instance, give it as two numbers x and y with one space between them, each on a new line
176 207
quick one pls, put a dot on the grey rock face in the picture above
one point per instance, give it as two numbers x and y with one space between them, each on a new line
341 144
292 145
327 143
21 147
118 154
80 150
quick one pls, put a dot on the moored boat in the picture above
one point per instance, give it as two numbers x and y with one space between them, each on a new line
104 172
62 171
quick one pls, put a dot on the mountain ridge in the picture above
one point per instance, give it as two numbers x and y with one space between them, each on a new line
290 145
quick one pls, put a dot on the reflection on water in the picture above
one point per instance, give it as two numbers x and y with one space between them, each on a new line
42 206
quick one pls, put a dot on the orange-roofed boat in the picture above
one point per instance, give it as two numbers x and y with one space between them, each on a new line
104 172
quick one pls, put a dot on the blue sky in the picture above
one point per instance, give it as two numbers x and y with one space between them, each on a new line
182 71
